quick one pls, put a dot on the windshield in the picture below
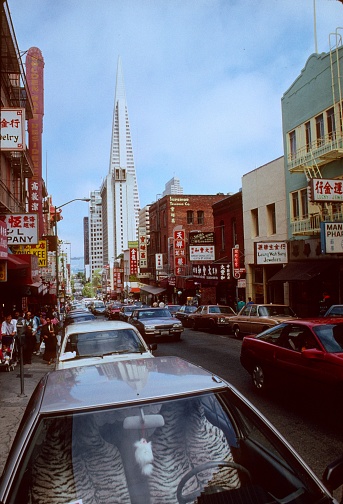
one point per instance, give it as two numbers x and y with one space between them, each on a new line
98 343
175 451
331 336
221 309
275 310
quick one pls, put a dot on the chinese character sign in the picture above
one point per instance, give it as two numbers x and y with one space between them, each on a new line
214 271
326 190
12 132
133 261
201 253
179 251
332 237
142 244
22 229
271 252
159 261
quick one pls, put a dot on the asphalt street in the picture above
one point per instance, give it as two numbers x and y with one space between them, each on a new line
14 396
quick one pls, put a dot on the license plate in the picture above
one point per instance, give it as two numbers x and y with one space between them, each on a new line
164 333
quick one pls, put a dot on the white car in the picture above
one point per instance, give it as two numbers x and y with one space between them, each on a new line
96 342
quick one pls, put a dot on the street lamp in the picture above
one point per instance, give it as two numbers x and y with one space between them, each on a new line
56 264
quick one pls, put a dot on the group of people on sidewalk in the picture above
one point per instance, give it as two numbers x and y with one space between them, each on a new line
38 335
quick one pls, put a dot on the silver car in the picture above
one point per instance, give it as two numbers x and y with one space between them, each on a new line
101 341
153 431
156 322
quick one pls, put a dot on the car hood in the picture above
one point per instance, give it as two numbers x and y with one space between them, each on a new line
88 361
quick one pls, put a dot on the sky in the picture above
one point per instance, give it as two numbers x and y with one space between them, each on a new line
203 78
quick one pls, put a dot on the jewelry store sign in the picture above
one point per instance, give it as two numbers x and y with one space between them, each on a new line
271 253
12 131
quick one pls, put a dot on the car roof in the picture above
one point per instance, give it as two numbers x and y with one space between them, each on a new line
98 325
123 382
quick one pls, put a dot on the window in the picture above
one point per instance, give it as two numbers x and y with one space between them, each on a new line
295 206
190 216
200 214
330 114
304 203
293 144
222 235
308 136
271 219
320 130
254 223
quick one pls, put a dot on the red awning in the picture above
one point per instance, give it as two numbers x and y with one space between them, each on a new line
14 262
134 289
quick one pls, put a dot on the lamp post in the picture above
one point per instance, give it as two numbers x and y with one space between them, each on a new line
56 264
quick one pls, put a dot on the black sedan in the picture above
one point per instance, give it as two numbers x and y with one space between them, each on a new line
153 323
184 312
153 431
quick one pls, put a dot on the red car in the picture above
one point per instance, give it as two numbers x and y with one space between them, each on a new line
304 350
113 310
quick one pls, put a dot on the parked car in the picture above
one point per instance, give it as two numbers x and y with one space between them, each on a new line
156 322
152 430
126 312
214 317
98 308
183 314
173 308
335 311
78 316
255 318
301 350
101 341
112 311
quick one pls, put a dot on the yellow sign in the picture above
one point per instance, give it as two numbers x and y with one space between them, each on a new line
3 271
39 250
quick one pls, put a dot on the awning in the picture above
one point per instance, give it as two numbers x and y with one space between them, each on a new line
14 262
300 271
134 289
152 290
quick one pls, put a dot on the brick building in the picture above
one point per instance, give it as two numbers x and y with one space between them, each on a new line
172 213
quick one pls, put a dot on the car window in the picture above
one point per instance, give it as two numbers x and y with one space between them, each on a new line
253 311
246 310
214 309
335 311
331 336
98 454
272 335
102 342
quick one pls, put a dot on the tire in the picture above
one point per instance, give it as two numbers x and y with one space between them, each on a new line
259 378
236 332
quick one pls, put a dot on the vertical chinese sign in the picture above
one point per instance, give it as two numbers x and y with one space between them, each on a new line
142 243
34 74
179 252
133 248
3 251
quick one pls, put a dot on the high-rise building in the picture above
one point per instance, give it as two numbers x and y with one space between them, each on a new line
173 187
95 232
119 190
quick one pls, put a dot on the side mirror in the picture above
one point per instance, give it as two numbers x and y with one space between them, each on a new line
153 346
333 475
312 353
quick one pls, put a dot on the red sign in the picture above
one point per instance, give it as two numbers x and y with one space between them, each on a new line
179 251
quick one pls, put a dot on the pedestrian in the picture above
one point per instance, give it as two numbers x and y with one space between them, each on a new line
48 334
250 301
7 327
29 339
240 304
36 333
161 304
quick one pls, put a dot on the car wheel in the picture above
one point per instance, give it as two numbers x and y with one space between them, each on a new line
236 332
258 378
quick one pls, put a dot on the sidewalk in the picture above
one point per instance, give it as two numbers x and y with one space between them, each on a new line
13 403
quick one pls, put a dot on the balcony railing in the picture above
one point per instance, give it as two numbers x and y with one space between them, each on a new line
317 153
310 226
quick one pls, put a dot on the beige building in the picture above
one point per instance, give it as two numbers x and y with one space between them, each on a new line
265 229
